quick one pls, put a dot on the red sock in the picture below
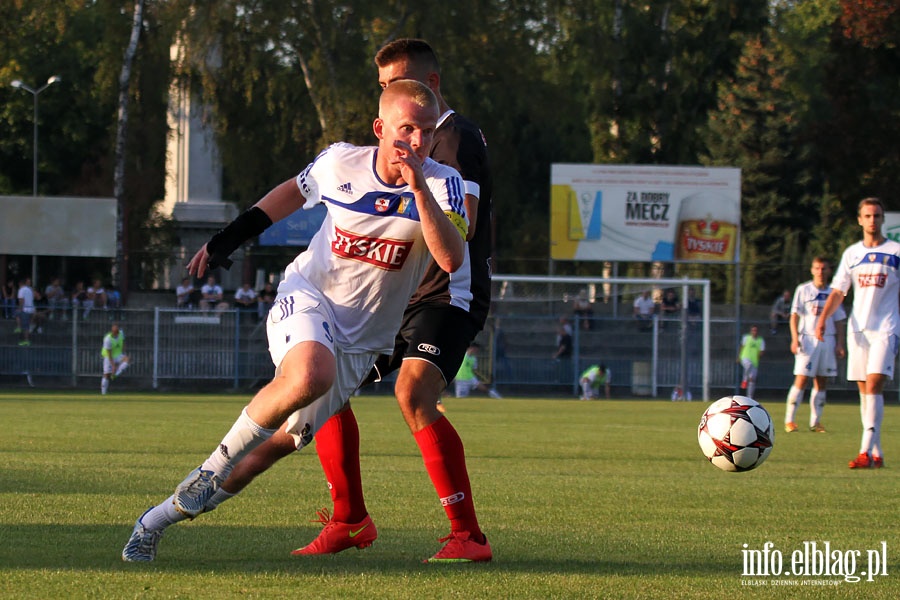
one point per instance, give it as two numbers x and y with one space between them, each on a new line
337 444
445 461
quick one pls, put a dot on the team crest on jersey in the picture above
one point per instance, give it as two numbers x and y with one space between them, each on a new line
382 204
386 254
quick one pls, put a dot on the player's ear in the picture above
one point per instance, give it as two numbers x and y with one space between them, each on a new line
433 81
378 128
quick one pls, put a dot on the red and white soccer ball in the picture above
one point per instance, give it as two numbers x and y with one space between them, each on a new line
736 433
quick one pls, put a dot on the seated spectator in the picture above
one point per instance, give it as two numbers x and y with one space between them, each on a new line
57 300
114 302
583 310
184 293
266 299
95 298
211 295
79 297
644 308
245 299
781 311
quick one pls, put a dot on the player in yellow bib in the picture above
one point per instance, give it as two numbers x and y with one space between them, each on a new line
752 349
115 361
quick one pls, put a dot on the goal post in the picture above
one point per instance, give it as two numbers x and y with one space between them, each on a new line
555 296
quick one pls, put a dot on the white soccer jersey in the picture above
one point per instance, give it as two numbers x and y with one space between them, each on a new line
808 304
873 273
369 255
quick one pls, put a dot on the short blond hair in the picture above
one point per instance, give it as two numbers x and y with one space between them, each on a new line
871 201
414 90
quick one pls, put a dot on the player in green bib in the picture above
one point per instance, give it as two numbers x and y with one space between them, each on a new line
752 349
592 379
466 380
115 361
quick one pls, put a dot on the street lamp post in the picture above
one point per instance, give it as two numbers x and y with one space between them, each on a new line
34 170
35 92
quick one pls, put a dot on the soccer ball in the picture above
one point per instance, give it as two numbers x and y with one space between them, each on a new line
736 433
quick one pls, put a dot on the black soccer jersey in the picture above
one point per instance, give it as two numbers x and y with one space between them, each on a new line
459 143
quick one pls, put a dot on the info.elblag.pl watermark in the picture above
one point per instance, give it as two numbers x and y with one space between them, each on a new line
813 563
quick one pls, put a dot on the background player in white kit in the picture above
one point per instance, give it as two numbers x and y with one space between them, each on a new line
871 267
813 359
391 210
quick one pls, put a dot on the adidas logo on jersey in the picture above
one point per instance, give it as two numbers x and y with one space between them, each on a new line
345 188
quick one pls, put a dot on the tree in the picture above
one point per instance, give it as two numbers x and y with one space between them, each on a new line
119 271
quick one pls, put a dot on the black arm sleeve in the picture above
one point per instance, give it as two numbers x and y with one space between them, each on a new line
249 224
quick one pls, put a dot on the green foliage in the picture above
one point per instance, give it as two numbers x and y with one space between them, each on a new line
579 500
800 95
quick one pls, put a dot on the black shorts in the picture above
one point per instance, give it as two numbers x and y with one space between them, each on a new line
437 333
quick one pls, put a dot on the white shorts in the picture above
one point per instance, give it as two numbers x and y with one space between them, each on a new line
111 364
750 369
870 352
815 358
464 387
300 316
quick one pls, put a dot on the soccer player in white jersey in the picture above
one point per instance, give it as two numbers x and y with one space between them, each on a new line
813 359
442 319
871 268
391 210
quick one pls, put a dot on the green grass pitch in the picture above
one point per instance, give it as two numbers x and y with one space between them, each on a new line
607 499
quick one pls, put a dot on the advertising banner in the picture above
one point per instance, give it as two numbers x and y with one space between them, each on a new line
891 229
296 230
645 213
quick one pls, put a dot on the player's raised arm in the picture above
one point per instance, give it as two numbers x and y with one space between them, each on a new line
280 202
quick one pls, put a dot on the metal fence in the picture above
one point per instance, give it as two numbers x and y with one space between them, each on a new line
172 348
165 346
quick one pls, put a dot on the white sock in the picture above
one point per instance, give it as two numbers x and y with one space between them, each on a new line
871 422
161 516
245 435
218 497
794 399
879 418
751 387
816 408
121 368
104 385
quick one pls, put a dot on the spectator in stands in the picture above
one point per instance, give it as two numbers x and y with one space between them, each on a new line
245 300
114 302
57 300
694 310
266 298
211 295
9 299
583 310
564 344
184 294
781 311
79 297
95 297
644 308
25 299
670 307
